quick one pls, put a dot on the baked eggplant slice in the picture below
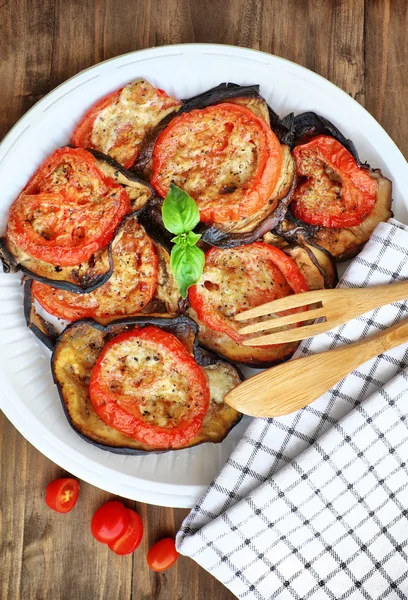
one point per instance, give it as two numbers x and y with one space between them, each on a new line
117 124
41 328
141 282
130 288
89 273
247 95
248 230
76 353
240 195
235 279
343 242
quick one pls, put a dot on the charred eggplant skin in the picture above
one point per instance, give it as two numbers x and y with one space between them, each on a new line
181 326
43 330
306 126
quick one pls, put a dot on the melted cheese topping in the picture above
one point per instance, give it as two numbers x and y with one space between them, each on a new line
119 129
222 378
237 279
146 379
216 159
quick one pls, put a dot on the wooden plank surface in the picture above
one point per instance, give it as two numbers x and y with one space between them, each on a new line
360 46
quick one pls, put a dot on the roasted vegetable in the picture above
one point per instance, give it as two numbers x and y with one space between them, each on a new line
128 291
46 233
246 231
244 277
117 124
237 279
242 186
224 92
78 349
339 200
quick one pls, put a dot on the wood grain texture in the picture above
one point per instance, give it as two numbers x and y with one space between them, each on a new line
359 45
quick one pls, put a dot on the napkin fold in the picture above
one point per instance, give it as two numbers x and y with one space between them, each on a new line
314 505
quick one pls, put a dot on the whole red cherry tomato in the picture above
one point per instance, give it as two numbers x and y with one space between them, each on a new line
162 555
110 522
61 494
132 537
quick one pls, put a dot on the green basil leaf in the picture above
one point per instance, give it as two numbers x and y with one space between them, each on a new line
192 238
179 211
187 264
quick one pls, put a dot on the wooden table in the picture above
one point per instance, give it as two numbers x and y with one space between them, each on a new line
358 45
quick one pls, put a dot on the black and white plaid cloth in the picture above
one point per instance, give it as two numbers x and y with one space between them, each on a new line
315 504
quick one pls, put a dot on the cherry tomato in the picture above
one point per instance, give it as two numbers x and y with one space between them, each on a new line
162 555
132 537
61 495
110 522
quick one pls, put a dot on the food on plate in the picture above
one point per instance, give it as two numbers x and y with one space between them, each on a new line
226 207
129 289
117 124
229 161
110 521
223 156
162 555
338 200
236 279
61 495
143 384
247 95
60 226
131 538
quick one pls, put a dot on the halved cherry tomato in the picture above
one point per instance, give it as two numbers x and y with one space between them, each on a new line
129 289
337 193
132 537
162 555
68 210
62 494
224 156
236 279
117 124
147 385
110 522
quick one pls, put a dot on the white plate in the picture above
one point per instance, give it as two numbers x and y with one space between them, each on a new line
28 395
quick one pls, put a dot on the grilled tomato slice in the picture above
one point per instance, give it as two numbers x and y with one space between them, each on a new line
68 210
337 192
224 156
147 385
129 289
237 279
117 124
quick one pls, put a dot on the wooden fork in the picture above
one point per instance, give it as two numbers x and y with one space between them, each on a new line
337 306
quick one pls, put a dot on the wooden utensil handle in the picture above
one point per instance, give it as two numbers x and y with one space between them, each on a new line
373 297
293 385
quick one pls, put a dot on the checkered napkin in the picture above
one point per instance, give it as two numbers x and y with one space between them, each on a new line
315 504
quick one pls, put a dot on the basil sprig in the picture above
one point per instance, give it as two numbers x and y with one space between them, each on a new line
180 215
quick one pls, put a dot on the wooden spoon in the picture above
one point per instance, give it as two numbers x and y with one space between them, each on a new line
295 384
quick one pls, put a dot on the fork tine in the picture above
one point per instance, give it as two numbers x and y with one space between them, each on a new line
289 335
294 301
308 315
